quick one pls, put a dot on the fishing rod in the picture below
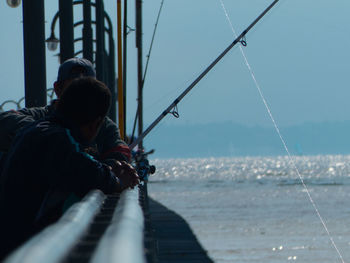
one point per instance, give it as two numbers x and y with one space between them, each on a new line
146 67
239 39
151 45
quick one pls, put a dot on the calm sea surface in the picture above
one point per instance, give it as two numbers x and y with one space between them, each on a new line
257 210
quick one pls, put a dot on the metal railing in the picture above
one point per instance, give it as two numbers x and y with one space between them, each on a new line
54 242
121 242
123 239
19 104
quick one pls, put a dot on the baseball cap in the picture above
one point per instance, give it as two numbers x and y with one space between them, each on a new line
66 69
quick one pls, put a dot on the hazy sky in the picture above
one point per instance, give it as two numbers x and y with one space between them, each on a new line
299 53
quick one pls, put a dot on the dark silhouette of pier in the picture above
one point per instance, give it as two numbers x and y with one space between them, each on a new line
169 238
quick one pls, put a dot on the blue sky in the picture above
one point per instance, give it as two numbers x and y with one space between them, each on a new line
299 53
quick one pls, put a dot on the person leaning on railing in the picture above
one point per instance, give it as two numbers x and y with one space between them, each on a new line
46 164
107 146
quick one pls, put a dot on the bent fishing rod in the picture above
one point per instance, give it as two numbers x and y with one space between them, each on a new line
239 39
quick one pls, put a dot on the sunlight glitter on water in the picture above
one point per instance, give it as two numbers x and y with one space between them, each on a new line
246 209
250 168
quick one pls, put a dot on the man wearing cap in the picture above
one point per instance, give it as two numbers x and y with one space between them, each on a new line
107 146
46 165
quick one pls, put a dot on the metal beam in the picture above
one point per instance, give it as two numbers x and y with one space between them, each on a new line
121 114
139 67
87 31
125 33
100 41
34 53
66 30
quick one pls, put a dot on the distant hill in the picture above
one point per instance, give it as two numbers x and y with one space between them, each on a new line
230 139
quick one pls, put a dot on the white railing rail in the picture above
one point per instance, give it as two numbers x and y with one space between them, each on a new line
123 239
54 243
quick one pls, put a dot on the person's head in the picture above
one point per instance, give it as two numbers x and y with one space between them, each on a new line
71 69
85 102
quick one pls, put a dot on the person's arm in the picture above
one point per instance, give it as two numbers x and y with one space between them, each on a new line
79 172
14 120
10 123
110 146
36 113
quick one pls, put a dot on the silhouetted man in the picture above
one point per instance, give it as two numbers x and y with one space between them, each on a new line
47 163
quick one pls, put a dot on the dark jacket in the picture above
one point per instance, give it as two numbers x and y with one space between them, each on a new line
108 144
44 166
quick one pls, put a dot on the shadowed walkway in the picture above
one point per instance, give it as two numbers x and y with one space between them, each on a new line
171 238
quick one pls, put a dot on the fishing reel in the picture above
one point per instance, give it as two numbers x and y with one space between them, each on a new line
143 168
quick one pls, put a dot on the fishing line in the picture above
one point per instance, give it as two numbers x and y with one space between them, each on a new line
280 135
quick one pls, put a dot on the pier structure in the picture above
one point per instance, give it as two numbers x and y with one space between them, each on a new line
128 227
91 44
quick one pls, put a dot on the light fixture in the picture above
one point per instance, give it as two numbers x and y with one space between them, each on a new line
52 42
13 3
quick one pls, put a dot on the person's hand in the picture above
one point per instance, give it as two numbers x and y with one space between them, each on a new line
126 174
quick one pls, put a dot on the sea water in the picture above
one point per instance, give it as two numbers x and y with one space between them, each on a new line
256 209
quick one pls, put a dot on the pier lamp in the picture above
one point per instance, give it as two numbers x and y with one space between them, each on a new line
52 42
13 3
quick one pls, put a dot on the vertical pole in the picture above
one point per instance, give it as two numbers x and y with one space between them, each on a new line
120 73
100 40
66 30
139 66
110 65
34 52
87 31
111 76
125 29
140 79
